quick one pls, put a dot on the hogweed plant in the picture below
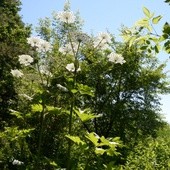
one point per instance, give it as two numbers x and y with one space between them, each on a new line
38 69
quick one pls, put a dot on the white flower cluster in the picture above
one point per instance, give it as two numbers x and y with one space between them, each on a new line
40 44
17 162
116 58
66 16
70 67
102 40
25 59
79 37
17 73
69 48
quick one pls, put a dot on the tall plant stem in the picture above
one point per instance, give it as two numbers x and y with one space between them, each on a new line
76 64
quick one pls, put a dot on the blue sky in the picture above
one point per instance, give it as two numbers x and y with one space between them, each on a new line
102 15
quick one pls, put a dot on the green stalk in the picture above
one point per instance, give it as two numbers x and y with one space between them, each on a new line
72 106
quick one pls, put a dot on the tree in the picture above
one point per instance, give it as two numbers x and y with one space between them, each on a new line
13 34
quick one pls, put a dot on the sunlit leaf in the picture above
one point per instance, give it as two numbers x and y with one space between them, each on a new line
36 108
75 139
93 138
146 12
53 110
85 115
84 89
53 164
17 114
99 151
110 152
144 22
74 91
155 20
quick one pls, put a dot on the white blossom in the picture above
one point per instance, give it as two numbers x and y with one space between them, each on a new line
79 37
100 45
104 37
25 59
116 58
17 162
17 73
44 46
34 41
66 16
39 44
70 67
70 48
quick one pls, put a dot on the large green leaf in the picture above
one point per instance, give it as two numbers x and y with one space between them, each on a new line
93 138
85 115
100 151
54 110
17 114
36 108
84 89
75 139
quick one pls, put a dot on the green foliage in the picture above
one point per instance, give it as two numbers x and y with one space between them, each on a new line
76 139
166 37
167 1
151 153
144 35
96 117
85 115
147 12
155 20
14 145
13 34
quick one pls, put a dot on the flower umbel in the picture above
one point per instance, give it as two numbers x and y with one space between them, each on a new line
100 45
80 37
104 37
16 73
33 41
69 48
66 16
40 44
116 58
25 59
102 40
